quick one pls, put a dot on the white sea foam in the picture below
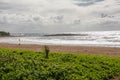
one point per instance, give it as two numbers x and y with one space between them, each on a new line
100 38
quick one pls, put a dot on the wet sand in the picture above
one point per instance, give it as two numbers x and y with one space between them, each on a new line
111 51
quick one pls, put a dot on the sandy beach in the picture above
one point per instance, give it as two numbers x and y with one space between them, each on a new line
111 51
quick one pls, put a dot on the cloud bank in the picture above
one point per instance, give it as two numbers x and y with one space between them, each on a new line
59 16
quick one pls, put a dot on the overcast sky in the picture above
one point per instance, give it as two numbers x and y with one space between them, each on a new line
59 15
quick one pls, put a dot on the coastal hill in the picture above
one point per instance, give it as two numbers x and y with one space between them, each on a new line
67 34
4 34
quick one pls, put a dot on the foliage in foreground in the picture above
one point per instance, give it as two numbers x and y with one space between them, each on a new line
29 65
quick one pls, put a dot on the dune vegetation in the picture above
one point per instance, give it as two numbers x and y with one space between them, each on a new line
4 34
30 65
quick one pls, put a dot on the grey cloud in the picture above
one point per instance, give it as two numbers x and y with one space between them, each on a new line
62 15
86 2
5 6
12 7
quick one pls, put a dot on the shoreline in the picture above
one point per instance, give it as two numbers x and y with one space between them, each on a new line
35 41
110 51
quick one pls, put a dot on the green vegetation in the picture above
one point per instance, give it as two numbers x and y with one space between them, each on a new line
30 65
3 34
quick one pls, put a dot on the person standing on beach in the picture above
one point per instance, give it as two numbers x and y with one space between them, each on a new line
19 41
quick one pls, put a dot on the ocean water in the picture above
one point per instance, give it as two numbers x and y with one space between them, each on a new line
93 38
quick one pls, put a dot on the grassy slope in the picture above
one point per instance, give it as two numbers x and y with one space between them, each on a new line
28 65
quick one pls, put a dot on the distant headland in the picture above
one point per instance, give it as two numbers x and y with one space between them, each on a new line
4 34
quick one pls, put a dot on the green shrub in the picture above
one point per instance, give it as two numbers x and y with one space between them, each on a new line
2 33
29 65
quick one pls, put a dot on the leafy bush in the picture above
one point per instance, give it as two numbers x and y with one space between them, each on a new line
2 33
30 65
